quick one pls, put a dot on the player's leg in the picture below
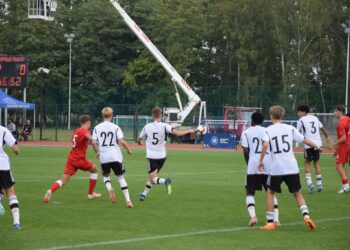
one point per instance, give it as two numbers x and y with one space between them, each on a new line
269 210
57 184
106 170
160 181
92 181
318 175
250 201
2 209
14 207
151 168
119 171
343 177
308 155
276 221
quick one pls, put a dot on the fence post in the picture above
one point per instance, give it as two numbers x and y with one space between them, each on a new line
136 122
56 121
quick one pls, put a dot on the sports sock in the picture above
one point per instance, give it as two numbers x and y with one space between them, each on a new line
108 184
157 180
56 186
147 188
345 184
250 201
1 196
14 209
308 179
124 187
269 217
319 179
304 211
92 183
276 210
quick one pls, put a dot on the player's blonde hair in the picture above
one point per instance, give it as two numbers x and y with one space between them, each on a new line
277 112
107 112
156 112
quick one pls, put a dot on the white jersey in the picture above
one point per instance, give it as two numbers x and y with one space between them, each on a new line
7 138
107 134
252 138
310 126
280 137
155 134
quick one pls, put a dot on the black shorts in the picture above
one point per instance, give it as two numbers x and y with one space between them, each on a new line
6 179
311 155
292 181
117 168
255 182
155 164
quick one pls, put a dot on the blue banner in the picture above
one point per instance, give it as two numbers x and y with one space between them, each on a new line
219 140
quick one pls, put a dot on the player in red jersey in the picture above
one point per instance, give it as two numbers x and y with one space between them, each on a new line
77 160
342 146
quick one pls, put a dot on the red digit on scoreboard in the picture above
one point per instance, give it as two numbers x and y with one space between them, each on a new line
23 70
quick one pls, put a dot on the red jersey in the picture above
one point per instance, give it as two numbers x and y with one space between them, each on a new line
343 129
80 144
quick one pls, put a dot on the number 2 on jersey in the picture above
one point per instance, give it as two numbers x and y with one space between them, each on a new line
110 136
257 141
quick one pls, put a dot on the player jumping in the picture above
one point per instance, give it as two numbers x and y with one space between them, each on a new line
284 167
77 160
310 127
342 146
155 135
7 182
109 136
251 141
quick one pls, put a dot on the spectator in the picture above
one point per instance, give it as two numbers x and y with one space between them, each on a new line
27 130
13 128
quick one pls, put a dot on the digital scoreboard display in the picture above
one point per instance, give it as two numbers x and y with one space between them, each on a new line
13 72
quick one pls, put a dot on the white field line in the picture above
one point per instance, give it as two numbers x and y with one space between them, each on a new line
39 179
179 235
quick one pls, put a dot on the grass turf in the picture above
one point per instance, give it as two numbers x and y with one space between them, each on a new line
208 194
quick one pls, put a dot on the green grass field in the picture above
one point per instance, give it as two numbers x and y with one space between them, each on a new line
206 210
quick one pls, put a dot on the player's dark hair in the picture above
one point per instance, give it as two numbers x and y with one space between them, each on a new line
340 108
257 118
156 112
84 119
304 108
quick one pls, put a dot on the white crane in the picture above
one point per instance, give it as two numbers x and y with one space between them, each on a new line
176 116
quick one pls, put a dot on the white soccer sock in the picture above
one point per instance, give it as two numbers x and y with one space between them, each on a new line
276 210
304 211
1 196
93 176
147 188
308 178
269 217
319 179
250 201
14 209
157 180
107 182
124 187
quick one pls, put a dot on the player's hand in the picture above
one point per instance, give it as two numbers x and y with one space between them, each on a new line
330 140
129 152
98 155
260 166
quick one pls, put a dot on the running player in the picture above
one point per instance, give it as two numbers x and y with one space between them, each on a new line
251 141
310 126
155 135
109 136
342 147
77 160
284 167
7 182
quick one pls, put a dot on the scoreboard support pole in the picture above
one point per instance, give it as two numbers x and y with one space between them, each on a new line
24 110
5 115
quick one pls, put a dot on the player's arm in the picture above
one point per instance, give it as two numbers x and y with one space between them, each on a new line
311 144
125 145
245 146
16 149
182 132
264 148
11 142
246 154
142 136
326 135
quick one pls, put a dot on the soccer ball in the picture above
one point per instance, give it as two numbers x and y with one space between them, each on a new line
202 130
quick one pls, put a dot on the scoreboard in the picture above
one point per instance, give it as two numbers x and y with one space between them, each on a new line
13 72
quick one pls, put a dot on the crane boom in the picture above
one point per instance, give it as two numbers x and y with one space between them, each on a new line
193 98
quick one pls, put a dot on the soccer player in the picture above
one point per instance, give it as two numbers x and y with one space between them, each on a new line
342 146
310 127
7 182
109 136
77 160
155 134
284 167
251 141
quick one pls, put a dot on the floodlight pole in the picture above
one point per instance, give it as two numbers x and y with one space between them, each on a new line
70 38
347 31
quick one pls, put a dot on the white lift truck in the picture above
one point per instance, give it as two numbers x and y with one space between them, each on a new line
175 116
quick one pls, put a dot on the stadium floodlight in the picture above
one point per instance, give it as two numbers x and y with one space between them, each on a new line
70 38
347 31
43 70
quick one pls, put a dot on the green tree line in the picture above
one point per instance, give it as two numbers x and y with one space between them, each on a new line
242 52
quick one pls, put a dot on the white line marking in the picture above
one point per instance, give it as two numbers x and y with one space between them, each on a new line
179 235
